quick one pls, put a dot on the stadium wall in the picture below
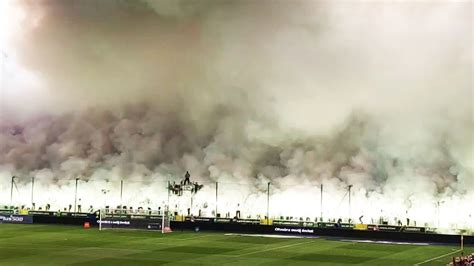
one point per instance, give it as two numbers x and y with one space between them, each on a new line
330 232
254 228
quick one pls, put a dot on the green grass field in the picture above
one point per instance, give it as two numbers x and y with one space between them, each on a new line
66 245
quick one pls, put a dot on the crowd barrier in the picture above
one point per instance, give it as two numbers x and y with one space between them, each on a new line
16 219
340 230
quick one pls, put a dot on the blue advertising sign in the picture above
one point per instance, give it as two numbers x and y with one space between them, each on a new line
16 219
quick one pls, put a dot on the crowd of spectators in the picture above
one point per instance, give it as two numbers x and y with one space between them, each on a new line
463 260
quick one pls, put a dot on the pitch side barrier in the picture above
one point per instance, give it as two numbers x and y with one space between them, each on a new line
341 230
126 221
50 217
368 227
328 231
15 219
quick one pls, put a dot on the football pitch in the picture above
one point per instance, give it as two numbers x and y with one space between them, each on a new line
67 245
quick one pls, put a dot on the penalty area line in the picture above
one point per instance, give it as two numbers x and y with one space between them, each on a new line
435 258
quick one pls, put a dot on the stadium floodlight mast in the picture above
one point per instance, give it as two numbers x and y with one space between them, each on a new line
438 203
321 203
121 193
268 202
32 190
217 198
75 195
169 191
349 191
11 190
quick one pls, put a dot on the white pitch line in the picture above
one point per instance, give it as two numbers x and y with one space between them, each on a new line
190 238
439 257
269 249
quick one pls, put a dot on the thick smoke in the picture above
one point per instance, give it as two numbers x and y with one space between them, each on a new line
298 94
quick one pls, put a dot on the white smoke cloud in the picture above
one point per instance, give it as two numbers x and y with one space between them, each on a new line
375 95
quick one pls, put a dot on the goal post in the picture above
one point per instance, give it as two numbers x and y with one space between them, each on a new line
153 220
114 219
165 220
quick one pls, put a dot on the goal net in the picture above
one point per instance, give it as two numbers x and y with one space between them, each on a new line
157 220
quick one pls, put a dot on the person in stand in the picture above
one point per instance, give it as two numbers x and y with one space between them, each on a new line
237 213
175 188
339 221
186 178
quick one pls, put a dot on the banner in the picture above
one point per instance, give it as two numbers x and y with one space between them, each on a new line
42 212
154 226
360 227
413 229
293 223
394 228
247 221
109 223
386 228
223 220
294 230
16 219
134 224
198 219
240 221
335 225
6 211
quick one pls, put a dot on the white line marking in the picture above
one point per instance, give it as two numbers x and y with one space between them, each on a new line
270 236
269 249
190 238
385 242
439 257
